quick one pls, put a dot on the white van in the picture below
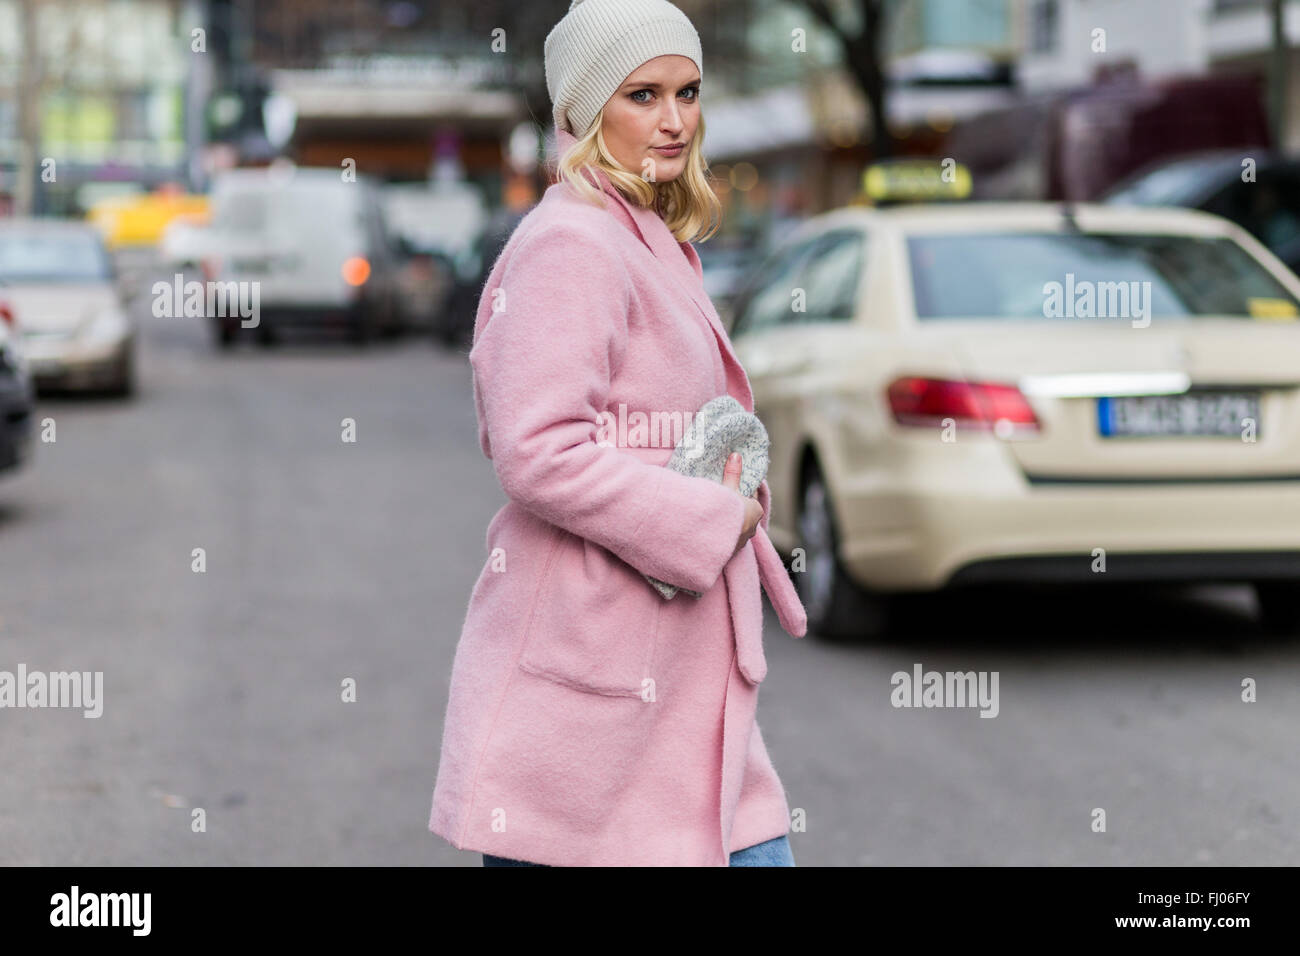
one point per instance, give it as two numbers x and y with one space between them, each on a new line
315 244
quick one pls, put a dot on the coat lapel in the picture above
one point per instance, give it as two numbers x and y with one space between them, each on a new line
682 263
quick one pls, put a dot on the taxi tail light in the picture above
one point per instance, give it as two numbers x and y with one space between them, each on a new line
927 401
7 316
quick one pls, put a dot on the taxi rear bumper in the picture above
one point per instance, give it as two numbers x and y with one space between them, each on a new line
902 531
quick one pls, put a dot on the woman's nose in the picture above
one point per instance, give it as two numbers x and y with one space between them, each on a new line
671 119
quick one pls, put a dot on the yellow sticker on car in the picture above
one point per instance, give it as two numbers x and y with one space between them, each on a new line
916 180
1273 310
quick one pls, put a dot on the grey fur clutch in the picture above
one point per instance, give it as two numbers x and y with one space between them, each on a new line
720 427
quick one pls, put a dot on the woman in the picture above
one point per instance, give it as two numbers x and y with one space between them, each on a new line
590 722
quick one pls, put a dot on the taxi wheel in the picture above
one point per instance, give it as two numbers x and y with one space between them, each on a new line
1279 606
838 608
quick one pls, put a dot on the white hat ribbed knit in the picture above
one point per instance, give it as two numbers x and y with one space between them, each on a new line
599 43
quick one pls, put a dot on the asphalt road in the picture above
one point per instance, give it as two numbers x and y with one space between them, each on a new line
328 560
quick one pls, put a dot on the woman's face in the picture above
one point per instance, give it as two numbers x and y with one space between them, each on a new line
657 105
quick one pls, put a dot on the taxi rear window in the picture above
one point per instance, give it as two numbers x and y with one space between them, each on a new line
1090 276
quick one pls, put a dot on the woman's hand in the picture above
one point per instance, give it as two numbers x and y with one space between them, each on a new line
753 510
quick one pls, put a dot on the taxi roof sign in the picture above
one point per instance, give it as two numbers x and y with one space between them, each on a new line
916 180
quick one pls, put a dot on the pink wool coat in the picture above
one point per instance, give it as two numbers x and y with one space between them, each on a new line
589 721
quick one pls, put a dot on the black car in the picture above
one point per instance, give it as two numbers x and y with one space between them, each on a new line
17 395
1263 199
454 325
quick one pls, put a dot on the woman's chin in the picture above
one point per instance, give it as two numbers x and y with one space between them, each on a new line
668 170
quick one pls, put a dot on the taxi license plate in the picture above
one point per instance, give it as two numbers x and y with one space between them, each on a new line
1215 413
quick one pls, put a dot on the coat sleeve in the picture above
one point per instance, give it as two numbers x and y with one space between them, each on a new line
542 365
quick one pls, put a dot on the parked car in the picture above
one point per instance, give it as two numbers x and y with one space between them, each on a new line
17 393
76 333
425 280
945 408
441 217
724 266
455 324
185 243
435 224
316 246
1257 189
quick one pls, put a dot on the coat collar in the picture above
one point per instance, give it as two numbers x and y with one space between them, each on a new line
678 258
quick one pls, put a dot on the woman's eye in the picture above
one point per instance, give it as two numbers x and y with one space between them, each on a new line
638 93
694 91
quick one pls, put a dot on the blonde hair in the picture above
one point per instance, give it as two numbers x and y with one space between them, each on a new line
687 204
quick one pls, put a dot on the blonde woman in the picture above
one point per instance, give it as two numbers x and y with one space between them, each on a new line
591 722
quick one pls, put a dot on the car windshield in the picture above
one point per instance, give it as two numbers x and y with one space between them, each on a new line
1090 275
1171 185
37 257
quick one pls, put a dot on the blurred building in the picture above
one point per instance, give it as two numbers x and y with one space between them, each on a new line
103 87
1108 87
1159 39
399 119
789 135
405 91
1239 37
1049 98
1060 47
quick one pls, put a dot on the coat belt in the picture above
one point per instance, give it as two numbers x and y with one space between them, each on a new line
780 589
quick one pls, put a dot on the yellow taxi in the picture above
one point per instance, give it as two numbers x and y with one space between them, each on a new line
142 219
968 393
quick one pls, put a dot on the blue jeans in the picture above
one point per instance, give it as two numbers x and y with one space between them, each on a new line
774 852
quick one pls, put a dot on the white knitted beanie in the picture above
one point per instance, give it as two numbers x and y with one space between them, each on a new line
599 43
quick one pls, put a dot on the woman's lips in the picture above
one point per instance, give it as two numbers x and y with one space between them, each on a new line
668 150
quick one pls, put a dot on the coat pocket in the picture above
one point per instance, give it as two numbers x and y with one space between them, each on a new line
595 622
